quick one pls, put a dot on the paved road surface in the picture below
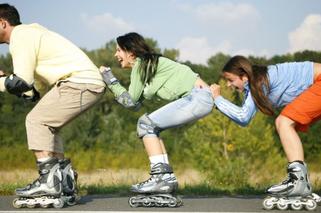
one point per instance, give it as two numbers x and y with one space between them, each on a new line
111 203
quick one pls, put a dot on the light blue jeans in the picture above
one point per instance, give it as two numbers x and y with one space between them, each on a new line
192 107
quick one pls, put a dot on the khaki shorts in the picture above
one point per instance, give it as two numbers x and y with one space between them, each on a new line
64 102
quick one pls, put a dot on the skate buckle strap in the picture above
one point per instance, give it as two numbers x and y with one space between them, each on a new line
43 171
34 183
294 169
64 163
291 178
161 168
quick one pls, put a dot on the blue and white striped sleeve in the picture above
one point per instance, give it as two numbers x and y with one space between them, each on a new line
242 115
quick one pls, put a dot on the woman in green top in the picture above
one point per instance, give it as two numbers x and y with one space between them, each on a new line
154 75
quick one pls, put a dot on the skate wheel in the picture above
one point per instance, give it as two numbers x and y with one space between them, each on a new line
132 202
317 198
44 206
179 201
268 204
311 205
72 201
146 203
172 203
58 204
282 206
159 203
16 204
31 206
296 206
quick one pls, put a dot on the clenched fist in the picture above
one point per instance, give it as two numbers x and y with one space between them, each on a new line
2 74
216 90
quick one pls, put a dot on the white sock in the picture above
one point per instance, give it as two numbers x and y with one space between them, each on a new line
156 159
166 158
41 160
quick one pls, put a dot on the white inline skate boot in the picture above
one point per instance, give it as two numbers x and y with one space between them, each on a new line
157 190
44 191
69 182
294 192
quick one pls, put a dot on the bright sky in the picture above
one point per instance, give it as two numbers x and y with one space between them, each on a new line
198 28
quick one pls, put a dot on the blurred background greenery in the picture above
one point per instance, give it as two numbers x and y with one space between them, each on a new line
225 155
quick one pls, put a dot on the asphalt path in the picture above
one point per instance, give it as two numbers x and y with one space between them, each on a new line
112 203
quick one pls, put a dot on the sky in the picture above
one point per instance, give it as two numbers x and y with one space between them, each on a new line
197 28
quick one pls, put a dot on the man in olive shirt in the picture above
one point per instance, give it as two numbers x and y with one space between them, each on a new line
76 86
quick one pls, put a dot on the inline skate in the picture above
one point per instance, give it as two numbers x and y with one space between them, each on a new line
69 182
157 190
294 192
44 191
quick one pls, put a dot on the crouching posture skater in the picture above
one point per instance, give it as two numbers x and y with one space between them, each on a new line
154 75
77 85
297 86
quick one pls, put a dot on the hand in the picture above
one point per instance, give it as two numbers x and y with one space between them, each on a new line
216 90
104 69
108 76
2 74
32 95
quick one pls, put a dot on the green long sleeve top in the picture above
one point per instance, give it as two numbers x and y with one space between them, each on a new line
172 80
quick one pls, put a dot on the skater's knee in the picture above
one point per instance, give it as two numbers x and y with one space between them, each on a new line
31 118
282 121
145 126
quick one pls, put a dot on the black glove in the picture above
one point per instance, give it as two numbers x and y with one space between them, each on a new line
35 96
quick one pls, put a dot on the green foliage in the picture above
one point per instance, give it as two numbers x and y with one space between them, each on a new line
171 53
230 156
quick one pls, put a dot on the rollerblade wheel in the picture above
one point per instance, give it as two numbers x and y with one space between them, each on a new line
172 203
16 203
317 198
296 206
268 204
282 206
31 206
132 202
311 205
72 201
44 206
159 204
146 203
179 201
58 204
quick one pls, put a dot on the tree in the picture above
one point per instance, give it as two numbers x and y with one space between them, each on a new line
171 53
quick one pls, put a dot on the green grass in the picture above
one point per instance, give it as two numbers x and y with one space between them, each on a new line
8 189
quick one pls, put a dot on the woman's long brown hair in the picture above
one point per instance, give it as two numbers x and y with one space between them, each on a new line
258 81
136 44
